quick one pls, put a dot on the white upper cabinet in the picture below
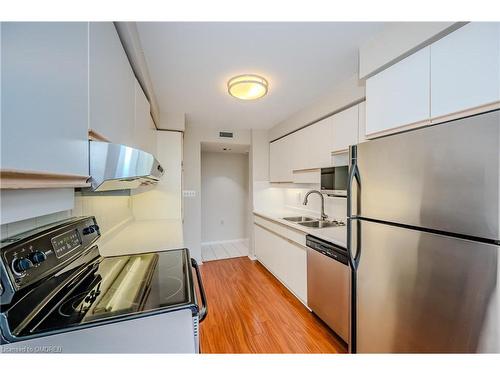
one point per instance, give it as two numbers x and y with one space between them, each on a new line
112 85
281 153
319 146
399 96
314 145
362 122
345 129
144 130
465 69
44 86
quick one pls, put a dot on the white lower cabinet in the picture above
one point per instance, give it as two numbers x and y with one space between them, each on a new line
284 258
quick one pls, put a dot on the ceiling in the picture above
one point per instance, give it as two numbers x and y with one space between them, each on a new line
190 64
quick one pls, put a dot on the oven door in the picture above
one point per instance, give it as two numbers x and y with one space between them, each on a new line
112 289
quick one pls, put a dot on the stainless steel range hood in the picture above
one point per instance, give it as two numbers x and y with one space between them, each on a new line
119 167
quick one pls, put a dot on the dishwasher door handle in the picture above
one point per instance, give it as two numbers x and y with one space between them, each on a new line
204 308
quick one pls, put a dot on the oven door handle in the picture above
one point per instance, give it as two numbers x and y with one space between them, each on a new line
204 309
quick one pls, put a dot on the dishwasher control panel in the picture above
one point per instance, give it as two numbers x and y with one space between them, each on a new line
326 248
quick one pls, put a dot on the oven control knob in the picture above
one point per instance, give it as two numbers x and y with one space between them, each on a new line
88 230
22 264
38 257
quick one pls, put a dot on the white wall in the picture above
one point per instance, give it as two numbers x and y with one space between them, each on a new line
224 196
192 179
259 155
165 200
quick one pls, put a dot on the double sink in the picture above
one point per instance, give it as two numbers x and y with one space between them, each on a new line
313 223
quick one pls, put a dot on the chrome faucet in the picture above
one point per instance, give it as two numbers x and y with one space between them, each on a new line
323 215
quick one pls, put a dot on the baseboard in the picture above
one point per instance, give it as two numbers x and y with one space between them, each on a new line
223 241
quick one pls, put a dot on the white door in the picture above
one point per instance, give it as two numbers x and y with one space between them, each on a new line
399 96
465 69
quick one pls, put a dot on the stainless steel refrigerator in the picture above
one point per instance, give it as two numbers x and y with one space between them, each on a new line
423 239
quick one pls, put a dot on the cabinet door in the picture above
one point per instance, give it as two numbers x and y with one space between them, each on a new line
296 269
264 244
312 146
318 144
112 85
362 122
144 130
44 86
284 258
281 153
399 96
465 69
345 129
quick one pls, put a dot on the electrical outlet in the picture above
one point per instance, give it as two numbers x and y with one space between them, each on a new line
189 193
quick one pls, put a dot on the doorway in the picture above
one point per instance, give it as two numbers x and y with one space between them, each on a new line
224 201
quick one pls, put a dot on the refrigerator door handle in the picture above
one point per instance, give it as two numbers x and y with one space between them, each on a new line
354 258
353 218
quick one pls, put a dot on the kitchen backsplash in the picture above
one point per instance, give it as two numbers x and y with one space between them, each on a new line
335 208
109 211
276 197
11 229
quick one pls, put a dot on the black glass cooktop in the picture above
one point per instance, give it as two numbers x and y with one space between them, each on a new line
115 287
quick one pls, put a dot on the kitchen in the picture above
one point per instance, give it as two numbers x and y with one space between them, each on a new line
201 198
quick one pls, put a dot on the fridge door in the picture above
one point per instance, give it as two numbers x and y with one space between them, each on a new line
426 293
444 177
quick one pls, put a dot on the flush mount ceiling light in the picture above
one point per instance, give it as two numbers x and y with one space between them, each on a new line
247 86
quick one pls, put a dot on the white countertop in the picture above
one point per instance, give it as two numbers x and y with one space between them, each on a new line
141 236
335 235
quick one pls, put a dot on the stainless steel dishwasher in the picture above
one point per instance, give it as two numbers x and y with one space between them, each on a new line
329 284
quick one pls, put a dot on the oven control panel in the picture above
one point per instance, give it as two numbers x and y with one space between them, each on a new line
33 255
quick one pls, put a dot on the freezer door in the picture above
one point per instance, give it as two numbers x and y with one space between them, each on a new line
426 293
444 177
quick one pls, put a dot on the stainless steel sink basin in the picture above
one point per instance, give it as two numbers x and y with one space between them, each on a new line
319 224
299 219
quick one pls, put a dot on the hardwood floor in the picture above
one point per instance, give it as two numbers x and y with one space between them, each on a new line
252 312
